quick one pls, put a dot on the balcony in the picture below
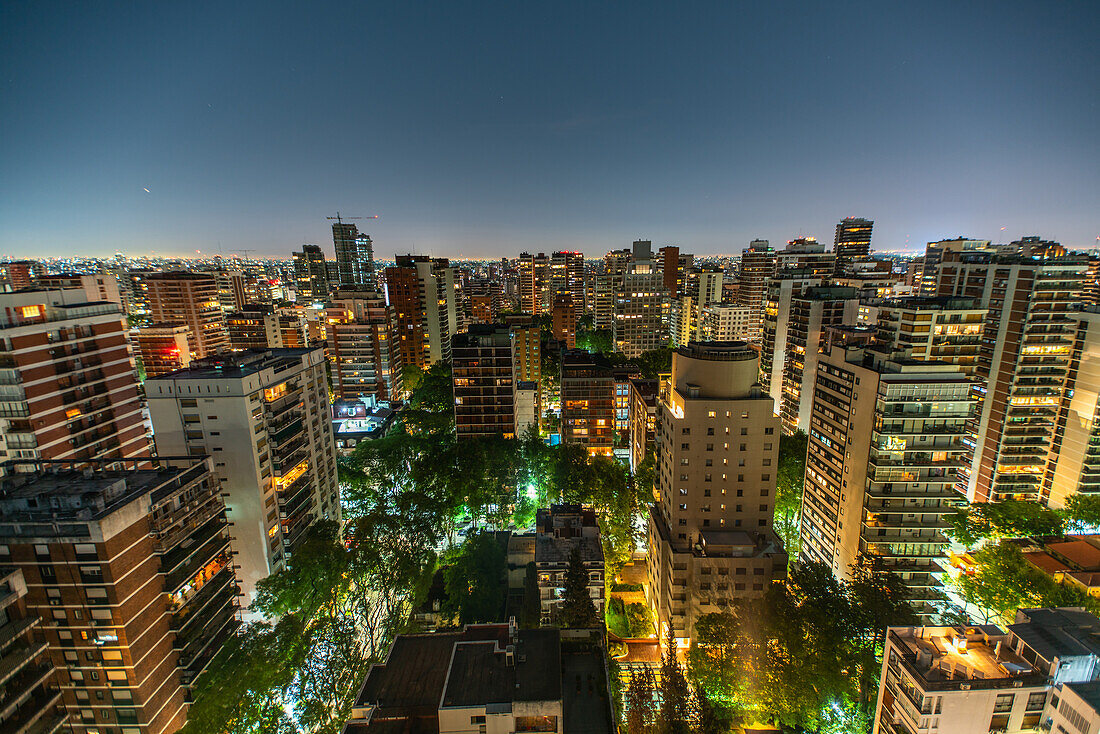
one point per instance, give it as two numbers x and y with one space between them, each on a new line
184 561
37 715
16 658
21 687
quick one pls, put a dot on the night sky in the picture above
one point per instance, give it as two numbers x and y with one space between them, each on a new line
486 129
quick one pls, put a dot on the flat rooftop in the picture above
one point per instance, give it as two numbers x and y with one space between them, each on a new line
234 365
81 495
945 654
1063 632
549 549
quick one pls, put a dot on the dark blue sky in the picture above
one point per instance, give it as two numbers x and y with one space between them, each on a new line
483 129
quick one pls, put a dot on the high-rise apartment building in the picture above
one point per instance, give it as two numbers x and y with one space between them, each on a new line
675 268
191 299
792 277
97 286
563 320
1040 675
484 383
31 698
1023 363
812 312
264 419
354 256
852 242
806 255
534 283
362 347
933 329
132 574
758 263
67 376
641 308
161 348
1077 458
233 291
424 296
720 323
587 402
934 254
710 533
643 419
886 443
527 352
310 275
603 300
566 275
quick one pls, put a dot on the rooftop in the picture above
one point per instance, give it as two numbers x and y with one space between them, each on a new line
1062 632
234 365
467 668
69 495
1079 553
942 656
549 549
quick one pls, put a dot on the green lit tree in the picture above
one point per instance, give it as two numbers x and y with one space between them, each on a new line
474 579
532 600
790 477
677 714
577 609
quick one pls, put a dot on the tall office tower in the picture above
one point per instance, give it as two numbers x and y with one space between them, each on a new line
587 402
424 297
191 299
280 480
675 268
642 305
354 256
852 242
1023 363
757 267
933 329
362 347
885 447
566 275
484 386
32 701
310 275
97 286
563 319
534 283
812 312
934 254
1077 456
70 389
132 573
789 281
161 348
807 256
710 532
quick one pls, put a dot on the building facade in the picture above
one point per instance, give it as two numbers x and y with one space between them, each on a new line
282 478
484 383
710 532
191 299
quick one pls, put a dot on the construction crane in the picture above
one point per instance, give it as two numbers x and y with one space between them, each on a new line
340 220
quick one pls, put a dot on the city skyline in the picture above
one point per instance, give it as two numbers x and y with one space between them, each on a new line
472 137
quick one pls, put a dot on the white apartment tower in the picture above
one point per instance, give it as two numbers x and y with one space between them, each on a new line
263 418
